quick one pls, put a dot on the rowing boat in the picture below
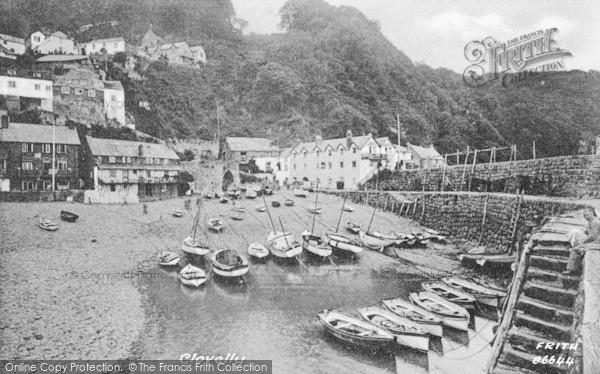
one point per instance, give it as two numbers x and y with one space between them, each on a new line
48 225
451 294
228 263
289 202
237 215
483 295
342 243
192 276
314 244
347 208
283 245
194 246
215 224
353 227
168 258
68 216
373 242
298 192
407 333
261 208
250 194
258 250
428 321
275 204
452 315
317 210
177 213
355 331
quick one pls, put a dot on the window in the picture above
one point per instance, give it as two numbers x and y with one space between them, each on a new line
322 166
119 159
341 165
46 185
330 152
69 80
330 165
61 165
48 88
27 165
294 166
149 173
341 151
113 173
37 39
65 90
353 164
37 87
353 149
28 186
157 161
127 160
113 188
112 159
27 147
78 91
61 148
47 148
304 153
12 84
91 93
37 74
370 149
11 72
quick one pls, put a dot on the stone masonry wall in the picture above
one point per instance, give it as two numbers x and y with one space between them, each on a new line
460 214
574 176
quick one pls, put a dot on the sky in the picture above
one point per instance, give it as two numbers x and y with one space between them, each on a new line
435 32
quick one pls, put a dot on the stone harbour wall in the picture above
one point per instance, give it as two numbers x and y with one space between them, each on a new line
568 176
461 214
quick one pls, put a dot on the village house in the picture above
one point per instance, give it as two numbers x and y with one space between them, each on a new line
339 163
180 53
26 152
242 150
15 46
83 96
130 171
62 63
425 157
110 46
199 54
57 43
22 90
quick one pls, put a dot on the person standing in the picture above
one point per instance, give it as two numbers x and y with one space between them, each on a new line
592 241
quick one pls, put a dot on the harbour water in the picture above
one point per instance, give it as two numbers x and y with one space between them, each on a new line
272 316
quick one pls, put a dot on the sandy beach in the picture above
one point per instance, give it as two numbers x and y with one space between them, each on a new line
74 293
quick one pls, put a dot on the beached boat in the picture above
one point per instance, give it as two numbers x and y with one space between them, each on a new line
48 224
434 235
483 295
261 208
209 195
267 190
194 246
428 321
228 263
347 208
353 227
237 215
250 194
215 224
452 315
317 210
258 250
451 294
223 200
315 245
355 331
68 216
283 245
238 208
373 242
342 243
192 276
275 204
233 193
407 333
396 239
299 193
168 258
289 202
177 213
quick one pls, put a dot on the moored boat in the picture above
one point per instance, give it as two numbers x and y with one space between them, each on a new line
251 194
192 276
355 331
215 224
373 242
342 243
168 258
258 250
452 315
177 213
317 210
353 227
228 263
283 245
48 224
299 192
289 202
315 245
428 321
194 246
68 216
451 294
223 200
237 215
407 333
347 208
261 208
267 190
483 295
275 204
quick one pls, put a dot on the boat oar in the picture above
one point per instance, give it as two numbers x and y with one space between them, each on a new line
301 263
330 260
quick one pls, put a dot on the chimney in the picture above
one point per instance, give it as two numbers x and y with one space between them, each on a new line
141 150
348 138
4 119
318 139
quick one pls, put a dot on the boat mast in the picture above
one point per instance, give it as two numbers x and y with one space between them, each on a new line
269 213
341 212
312 229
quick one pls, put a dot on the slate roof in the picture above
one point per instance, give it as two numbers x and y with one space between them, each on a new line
113 85
61 58
360 142
59 34
250 144
424 152
127 148
31 133
108 40
13 39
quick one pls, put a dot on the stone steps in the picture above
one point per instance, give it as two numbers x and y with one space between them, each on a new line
550 294
526 360
549 312
554 263
555 278
552 250
553 331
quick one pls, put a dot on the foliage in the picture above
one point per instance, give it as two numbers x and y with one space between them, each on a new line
186 155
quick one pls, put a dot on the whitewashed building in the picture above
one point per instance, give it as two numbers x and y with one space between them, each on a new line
12 44
22 90
111 46
56 43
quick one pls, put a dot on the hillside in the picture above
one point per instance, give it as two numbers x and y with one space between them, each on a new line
329 71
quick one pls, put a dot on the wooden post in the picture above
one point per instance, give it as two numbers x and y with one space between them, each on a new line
457 158
387 197
517 216
534 149
485 204
509 168
393 204
511 304
472 170
444 173
492 152
462 181
401 209
423 206
366 198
